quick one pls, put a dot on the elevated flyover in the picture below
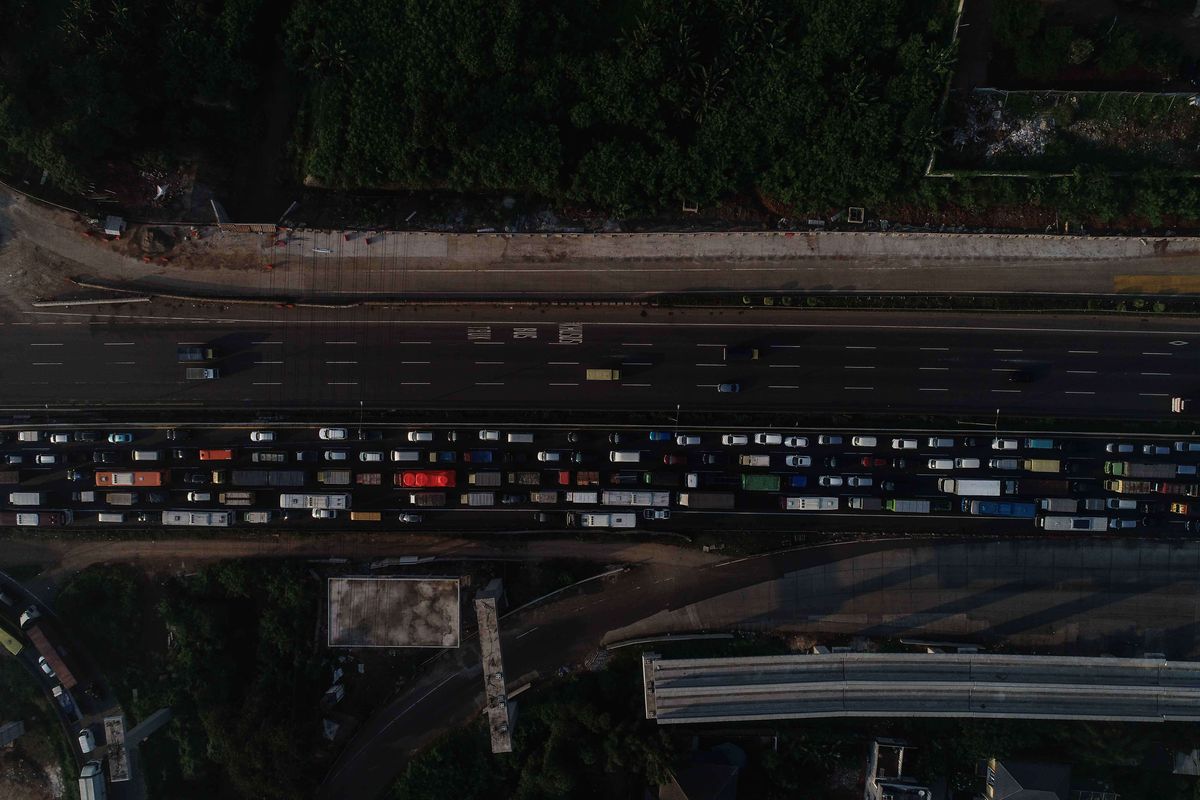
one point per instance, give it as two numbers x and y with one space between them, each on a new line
920 685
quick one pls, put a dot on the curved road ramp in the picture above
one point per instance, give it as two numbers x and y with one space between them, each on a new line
920 685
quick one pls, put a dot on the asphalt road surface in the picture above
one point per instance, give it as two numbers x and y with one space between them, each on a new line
538 359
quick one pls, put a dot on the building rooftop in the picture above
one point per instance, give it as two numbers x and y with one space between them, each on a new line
394 612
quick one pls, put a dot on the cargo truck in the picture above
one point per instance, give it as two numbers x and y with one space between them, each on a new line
591 478
121 498
366 516
192 354
288 478
334 477
659 478
760 483
91 782
1182 489
209 519
977 488
1127 469
636 499
1041 465
525 478
754 461
543 497
809 503
10 637
236 498
604 374
39 519
478 499
330 501
427 499
1073 523
140 478
369 479
1122 486
25 498
1061 505
594 520
865 503
37 637
257 517
909 506
586 498
993 508
489 479
711 480
706 500
1033 487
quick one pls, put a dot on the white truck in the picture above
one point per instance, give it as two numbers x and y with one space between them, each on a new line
977 488
754 461
91 782
809 503
209 519
1066 505
592 520
584 498
478 499
25 498
636 499
330 501
1073 523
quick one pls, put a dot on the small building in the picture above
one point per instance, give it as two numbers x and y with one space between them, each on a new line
885 774
1025 780
393 612
114 226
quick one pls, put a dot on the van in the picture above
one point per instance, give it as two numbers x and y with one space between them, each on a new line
754 461
941 463
624 456
934 441
110 516
966 463
863 441
550 456
520 438
827 438
29 436
146 455
1041 444
420 436
406 455
1004 463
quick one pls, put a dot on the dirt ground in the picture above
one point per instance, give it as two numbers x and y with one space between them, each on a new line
24 779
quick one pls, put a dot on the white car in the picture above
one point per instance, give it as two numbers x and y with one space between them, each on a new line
336 455
1156 450
860 480
420 436
941 463
549 456
60 438
735 439
332 434
798 461
830 480
410 518
199 497
489 436
796 441
264 436
1118 447
687 439
768 438
323 513
46 458
864 441
904 444
370 455
45 667
1005 444
87 743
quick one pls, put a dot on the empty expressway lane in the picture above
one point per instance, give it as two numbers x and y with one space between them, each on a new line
539 358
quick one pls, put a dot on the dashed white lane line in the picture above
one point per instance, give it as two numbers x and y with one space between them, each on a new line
260 363
487 363
636 385
933 369
414 362
1156 374
860 347
489 383
785 366
1005 369
564 384
636 344
1153 394
1070 392
343 383
782 386
706 385
122 363
851 366
46 344
859 388
1006 391
637 364
414 383
1081 372
1083 352
47 363
706 344
562 363
935 348
340 341
412 342
259 344
1007 350
1157 354
710 365
190 344
341 362
932 390
268 383
119 344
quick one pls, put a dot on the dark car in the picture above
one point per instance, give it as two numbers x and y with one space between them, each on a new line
573 437
614 438
371 436
180 454
177 435
1021 376
198 478
729 388
104 457
713 459
306 455
831 461
541 516
74 475
899 463
518 457
512 499
674 458
145 516
87 436
871 461
156 497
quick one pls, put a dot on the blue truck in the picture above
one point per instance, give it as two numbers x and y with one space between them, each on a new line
995 508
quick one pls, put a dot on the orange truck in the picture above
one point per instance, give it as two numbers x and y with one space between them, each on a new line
144 478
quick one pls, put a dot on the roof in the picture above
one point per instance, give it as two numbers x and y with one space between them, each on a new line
1028 780
702 782
393 612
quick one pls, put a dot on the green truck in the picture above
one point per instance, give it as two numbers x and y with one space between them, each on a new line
760 483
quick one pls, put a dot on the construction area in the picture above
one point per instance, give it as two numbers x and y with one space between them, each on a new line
394 612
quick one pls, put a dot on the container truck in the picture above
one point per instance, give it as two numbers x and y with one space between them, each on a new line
865 503
1122 486
660 478
257 517
91 782
594 520
760 483
1032 487
37 637
993 508
636 499
1073 523
1041 465
38 519
1061 505
25 498
708 480
808 503
754 461
330 501
140 478
427 499
604 374
210 519
236 498
1128 469
334 477
366 516
289 478
121 498
1041 444
908 506
706 500
587 478
490 479
478 499
1183 489
587 498
369 479
543 497
980 488
525 478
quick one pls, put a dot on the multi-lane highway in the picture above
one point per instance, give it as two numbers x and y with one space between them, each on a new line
510 359
441 478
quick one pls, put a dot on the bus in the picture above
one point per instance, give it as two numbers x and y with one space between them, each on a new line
210 519
426 479
141 478
216 455
10 638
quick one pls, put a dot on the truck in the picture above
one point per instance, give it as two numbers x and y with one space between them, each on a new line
334 477
977 488
36 519
1041 444
636 499
193 354
993 508
594 520
525 478
10 637
25 498
587 478
586 498
1073 523
91 782
1061 505
660 478
283 478
37 637
706 500
478 499
366 516
209 519
1122 486
760 483
369 479
1127 469
604 374
543 497
121 498
1032 487
236 498
150 477
257 517
427 499
478 456
908 506
1181 489
754 460
865 503
488 479
330 501
1041 465
809 503
201 373
711 480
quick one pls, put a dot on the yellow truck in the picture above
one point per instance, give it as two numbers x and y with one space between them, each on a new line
1042 465
604 374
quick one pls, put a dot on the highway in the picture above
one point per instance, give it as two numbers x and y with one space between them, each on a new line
502 359
555 477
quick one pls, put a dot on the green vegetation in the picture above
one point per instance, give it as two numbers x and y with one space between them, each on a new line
230 651
43 743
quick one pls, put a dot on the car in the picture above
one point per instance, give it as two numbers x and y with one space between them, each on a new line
830 480
826 438
713 459
573 437
1187 447
1155 450
197 478
549 456
797 481
60 438
541 516
864 441
410 518
156 497
1121 504
182 454
199 497
509 457
262 436
332 434
1021 376
660 436
104 457
798 461
45 667
87 436
120 438
672 459
1118 447
939 441
306 455
687 440
13 459
860 480
904 444
899 463
336 455
831 461
28 616
768 438
451 436
46 459
370 436
887 486
940 463
796 441
614 438
420 436
87 743
145 516
323 513
489 436
513 499
370 456
1005 444
177 435
734 439
729 388
75 474
580 456
872 461
656 513
1116 523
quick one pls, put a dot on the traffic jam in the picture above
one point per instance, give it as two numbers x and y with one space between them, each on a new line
602 479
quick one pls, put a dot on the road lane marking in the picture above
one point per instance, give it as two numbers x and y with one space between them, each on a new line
259 363
526 633
414 383
47 363
1156 374
268 383
636 385
1084 352
860 347
189 343
785 366
1157 354
1005 369
481 343
339 341
122 363
859 388
1081 372
932 390
935 348
1153 394
341 362
710 365
343 383
411 342
45 344
721 345
934 369
262 343
564 384
562 363
848 366
636 344
1007 350
414 362
637 364
1069 392
487 363
780 386
489 383
1007 391
119 344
